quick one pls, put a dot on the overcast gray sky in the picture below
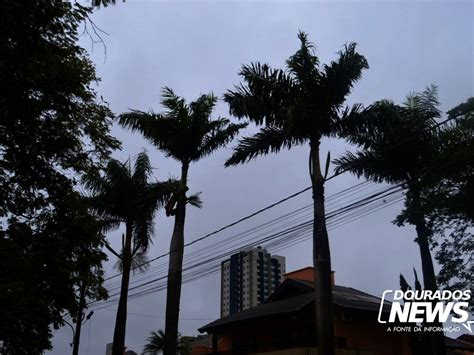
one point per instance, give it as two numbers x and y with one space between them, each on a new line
196 47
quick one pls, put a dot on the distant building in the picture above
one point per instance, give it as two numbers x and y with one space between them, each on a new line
248 278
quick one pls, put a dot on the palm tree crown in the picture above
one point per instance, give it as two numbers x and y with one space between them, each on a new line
156 342
397 142
300 104
184 131
125 195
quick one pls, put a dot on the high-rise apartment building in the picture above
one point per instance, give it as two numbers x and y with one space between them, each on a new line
248 278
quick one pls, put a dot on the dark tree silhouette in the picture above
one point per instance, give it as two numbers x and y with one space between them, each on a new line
299 106
450 201
52 129
156 343
123 195
399 145
186 133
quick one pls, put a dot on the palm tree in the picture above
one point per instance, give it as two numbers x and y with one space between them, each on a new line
299 106
399 145
125 195
156 343
186 133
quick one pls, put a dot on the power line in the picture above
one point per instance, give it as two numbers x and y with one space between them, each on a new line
237 238
159 317
220 229
196 275
229 226
290 233
297 228
348 208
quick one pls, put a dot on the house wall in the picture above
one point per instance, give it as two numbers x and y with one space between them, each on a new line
361 331
293 334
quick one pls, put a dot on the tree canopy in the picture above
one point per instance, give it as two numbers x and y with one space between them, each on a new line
297 105
53 128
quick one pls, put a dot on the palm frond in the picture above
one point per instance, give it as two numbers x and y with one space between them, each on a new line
93 181
422 109
339 77
425 102
264 95
139 121
123 194
218 138
142 168
203 106
268 139
304 64
175 104
155 341
185 132
143 232
365 126
306 99
162 130
348 120
396 142
195 200
108 223
370 165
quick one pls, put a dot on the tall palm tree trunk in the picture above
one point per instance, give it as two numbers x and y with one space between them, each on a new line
175 269
436 339
121 319
80 316
321 260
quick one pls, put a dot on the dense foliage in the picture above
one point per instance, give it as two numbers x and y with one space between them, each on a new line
51 129
450 201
